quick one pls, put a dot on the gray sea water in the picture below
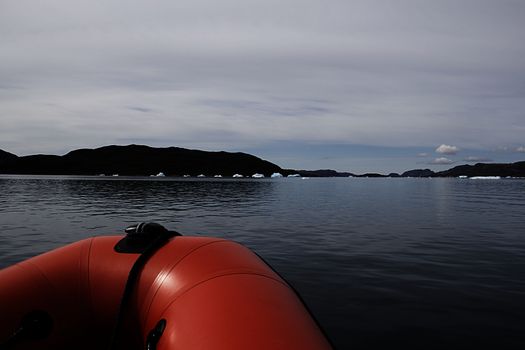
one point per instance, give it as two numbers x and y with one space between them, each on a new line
434 263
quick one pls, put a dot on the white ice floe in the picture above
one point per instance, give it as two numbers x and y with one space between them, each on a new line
462 177
294 175
237 175
485 177
257 176
277 175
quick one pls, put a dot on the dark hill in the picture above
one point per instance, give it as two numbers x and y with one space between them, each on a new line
418 173
483 169
319 173
140 160
371 175
6 156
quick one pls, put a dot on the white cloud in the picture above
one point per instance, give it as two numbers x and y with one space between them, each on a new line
447 149
442 161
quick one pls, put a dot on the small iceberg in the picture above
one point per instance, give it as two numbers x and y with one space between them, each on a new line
257 176
186 175
217 175
237 175
201 175
161 174
277 175
485 177
114 175
462 177
294 175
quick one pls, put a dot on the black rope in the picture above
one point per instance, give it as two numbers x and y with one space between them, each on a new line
161 239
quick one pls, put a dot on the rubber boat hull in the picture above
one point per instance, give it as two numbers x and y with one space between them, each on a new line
211 294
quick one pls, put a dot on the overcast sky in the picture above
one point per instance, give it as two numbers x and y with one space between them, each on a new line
350 85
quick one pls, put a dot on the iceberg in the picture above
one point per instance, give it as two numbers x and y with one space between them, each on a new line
485 177
201 175
217 175
161 174
237 175
277 175
294 175
257 176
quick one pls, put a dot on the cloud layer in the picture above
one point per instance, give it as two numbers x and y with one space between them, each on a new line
447 149
241 74
442 161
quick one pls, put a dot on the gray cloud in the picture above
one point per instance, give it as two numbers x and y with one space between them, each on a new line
477 159
442 161
237 74
140 109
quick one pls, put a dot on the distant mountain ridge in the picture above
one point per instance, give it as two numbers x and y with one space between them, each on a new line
486 169
319 173
138 160
516 169
418 173
6 156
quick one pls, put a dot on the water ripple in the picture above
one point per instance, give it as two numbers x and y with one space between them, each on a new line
403 262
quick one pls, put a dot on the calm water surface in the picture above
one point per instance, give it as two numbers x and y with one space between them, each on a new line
435 263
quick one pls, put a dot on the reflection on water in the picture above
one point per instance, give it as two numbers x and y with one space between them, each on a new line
410 262
44 213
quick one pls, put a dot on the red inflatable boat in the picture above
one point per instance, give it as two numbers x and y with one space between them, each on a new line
139 292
